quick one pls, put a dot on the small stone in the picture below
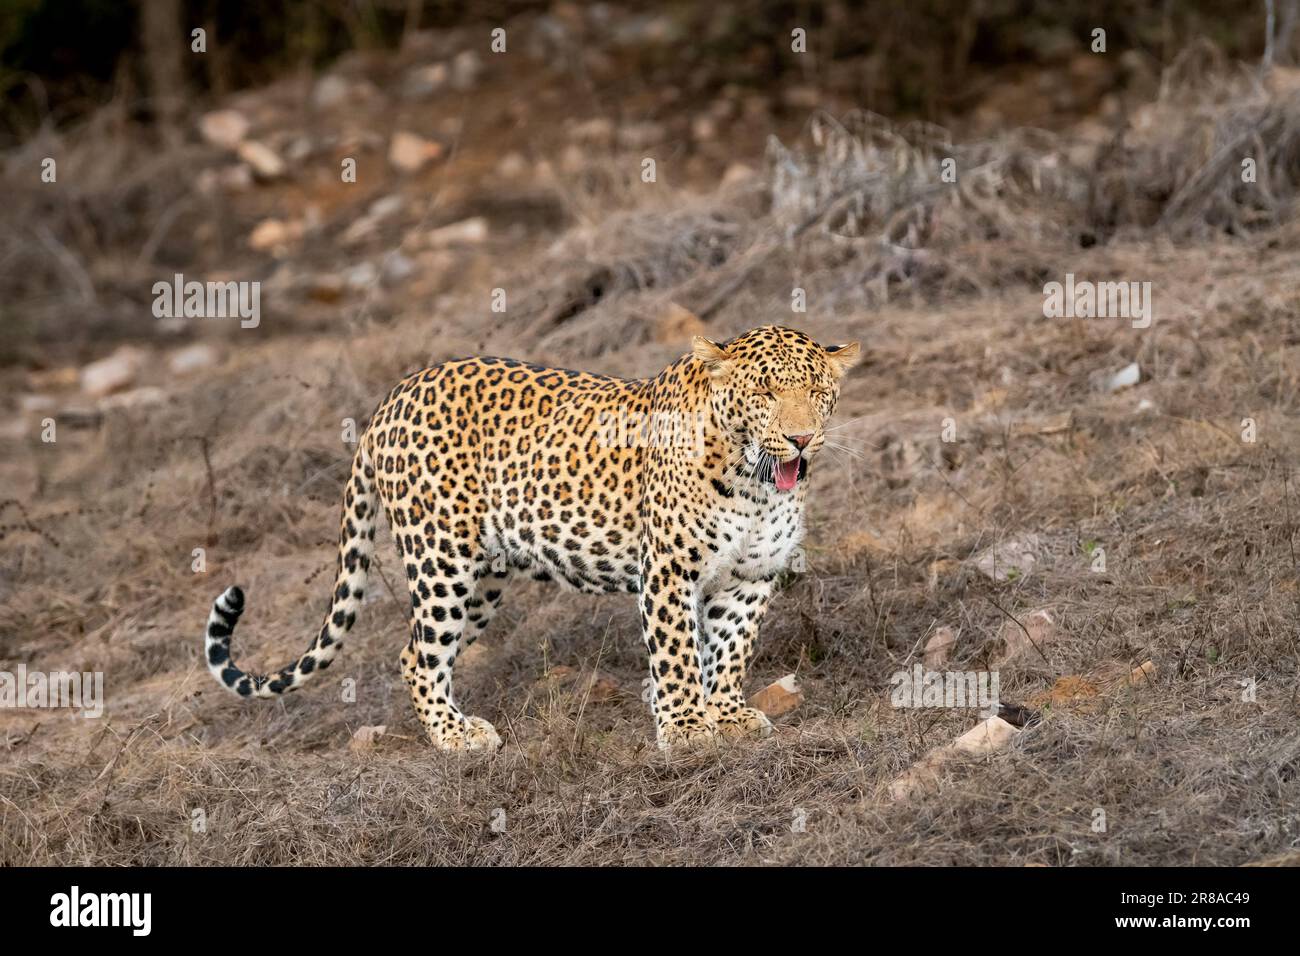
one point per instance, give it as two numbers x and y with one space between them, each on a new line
939 647
779 697
224 128
985 738
1009 560
143 397
362 275
272 234
421 82
365 737
1035 630
330 91
192 358
112 374
1129 375
266 162
410 153
466 67
471 231
512 166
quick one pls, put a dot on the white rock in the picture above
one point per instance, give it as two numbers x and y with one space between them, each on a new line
224 128
192 358
1012 559
466 232
424 81
1129 375
361 275
410 153
466 67
265 161
330 91
512 166
274 234
144 397
112 374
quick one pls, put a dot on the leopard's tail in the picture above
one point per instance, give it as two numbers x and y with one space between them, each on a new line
356 544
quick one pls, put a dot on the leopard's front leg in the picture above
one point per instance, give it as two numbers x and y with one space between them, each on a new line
729 617
669 604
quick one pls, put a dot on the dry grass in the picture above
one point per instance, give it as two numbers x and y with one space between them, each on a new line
1198 529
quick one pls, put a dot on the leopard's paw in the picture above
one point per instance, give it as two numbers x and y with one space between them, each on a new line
735 721
685 731
468 733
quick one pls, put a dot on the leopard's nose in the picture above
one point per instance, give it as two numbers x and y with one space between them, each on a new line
799 441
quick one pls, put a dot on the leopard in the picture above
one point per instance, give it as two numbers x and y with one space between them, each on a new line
687 489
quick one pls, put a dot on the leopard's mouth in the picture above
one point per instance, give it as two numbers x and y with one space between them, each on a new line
784 474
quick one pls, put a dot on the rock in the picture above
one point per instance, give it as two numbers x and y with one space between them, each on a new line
1009 560
603 687
224 128
112 374
704 129
421 82
144 397
265 162
397 267
361 276
678 325
466 68
410 153
597 131
470 232
192 358
33 404
939 647
330 91
235 177
274 234
1129 375
779 697
1041 628
65 376
987 737
512 166
365 737
1144 672
737 173
641 135
801 97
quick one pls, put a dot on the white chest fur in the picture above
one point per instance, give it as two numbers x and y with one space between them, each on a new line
756 537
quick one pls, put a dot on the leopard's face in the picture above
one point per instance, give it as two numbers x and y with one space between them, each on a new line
774 391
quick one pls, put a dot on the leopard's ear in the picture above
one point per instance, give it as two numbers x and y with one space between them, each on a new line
843 357
712 356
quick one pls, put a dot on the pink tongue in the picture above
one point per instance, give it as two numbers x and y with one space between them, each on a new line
787 474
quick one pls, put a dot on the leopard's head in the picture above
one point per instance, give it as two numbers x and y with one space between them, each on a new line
774 391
